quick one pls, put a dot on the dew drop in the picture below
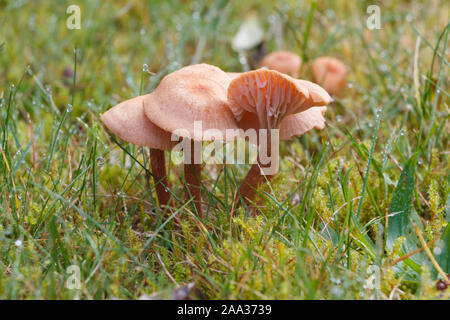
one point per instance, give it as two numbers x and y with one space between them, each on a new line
243 60
100 161
18 243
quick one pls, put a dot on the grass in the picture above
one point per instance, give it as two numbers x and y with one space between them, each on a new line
342 220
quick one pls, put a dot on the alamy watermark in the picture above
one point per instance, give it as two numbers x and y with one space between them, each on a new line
73 281
374 20
74 20
228 147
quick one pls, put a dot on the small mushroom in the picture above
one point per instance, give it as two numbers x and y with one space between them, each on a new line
192 102
268 99
283 61
128 121
330 73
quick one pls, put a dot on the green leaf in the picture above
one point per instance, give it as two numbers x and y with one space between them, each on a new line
400 207
444 257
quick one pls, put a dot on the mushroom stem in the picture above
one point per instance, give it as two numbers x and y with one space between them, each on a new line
248 187
255 176
192 174
158 166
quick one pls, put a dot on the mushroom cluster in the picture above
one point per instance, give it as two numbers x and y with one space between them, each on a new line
157 120
263 100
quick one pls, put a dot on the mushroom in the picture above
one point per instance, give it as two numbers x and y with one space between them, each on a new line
268 99
128 121
192 103
330 73
283 61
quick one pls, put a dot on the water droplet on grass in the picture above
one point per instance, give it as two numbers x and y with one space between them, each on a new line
100 161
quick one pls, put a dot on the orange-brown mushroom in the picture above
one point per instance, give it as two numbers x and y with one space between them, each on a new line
331 74
190 95
283 61
128 121
268 99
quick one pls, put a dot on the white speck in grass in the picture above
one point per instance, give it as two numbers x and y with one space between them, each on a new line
420 162
336 280
18 243
350 85
337 291
384 68
69 108
370 124
196 15
330 14
339 118
145 67
409 17
437 250
402 132
243 59
142 31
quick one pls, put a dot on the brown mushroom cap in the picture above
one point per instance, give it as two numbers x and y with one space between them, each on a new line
298 124
261 99
330 73
283 61
193 93
128 121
